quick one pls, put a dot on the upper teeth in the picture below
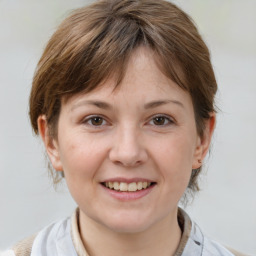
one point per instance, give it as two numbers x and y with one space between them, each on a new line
131 187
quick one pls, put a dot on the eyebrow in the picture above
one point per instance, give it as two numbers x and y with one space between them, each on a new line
157 103
97 103
107 106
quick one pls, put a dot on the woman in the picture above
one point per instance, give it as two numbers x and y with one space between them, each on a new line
123 99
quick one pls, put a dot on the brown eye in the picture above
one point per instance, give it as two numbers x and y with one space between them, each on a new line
97 121
161 120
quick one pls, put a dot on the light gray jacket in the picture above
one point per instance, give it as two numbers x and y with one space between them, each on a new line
63 239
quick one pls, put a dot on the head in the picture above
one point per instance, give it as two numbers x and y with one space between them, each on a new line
96 43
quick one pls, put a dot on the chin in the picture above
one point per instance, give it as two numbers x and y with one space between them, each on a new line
128 228
127 223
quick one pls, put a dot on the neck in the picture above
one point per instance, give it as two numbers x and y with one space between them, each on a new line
163 237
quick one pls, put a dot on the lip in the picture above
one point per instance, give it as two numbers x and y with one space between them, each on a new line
128 196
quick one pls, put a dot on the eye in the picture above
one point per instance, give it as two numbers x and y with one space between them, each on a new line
161 121
95 121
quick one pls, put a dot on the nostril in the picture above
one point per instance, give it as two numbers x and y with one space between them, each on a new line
127 161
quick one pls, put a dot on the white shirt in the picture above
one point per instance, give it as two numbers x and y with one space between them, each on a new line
63 238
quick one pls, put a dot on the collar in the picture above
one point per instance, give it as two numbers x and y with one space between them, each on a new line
185 226
191 237
75 234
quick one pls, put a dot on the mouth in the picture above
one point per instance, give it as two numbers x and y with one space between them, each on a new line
128 187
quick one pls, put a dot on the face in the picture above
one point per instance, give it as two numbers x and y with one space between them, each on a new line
128 153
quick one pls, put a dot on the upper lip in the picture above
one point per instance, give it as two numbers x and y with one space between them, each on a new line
128 180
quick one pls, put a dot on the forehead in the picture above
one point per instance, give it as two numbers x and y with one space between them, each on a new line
143 82
143 64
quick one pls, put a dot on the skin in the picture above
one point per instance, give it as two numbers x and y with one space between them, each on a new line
132 138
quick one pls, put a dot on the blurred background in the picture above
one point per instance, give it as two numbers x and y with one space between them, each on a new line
225 208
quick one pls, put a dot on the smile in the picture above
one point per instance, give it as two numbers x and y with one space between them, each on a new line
127 187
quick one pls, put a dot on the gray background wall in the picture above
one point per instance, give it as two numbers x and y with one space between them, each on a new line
226 207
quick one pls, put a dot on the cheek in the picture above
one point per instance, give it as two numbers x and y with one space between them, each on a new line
176 151
82 156
174 159
82 159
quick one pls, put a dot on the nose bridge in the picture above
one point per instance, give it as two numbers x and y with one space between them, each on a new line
129 138
127 148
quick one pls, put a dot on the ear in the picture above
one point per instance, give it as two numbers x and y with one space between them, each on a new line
50 143
204 142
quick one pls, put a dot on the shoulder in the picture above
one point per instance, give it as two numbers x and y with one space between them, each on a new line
199 244
213 248
22 248
8 253
54 239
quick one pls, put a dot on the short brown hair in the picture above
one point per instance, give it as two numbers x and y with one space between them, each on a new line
96 41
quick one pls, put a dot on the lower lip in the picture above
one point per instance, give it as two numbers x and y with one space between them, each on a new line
129 196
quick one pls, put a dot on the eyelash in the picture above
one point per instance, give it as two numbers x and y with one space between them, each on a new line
88 121
166 118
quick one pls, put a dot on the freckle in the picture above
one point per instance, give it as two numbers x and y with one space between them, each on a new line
72 146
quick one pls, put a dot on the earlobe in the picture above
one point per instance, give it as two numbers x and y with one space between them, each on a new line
50 143
204 142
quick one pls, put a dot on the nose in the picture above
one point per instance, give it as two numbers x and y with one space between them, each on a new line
127 148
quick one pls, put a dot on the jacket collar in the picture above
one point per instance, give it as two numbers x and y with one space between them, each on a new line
191 239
